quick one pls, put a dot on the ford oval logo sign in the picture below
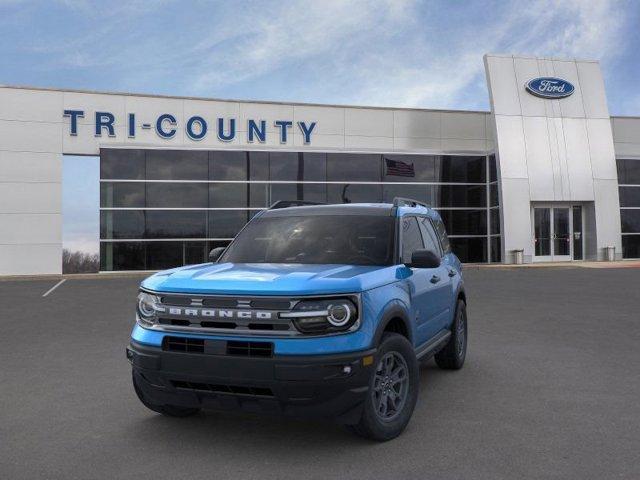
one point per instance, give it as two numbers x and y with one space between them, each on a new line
549 87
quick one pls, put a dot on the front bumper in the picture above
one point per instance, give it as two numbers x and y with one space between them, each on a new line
327 386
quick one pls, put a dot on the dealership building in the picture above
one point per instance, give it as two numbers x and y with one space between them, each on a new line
546 175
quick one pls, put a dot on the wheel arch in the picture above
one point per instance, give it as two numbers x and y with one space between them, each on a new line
395 319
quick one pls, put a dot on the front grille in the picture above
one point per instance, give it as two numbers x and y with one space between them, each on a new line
183 344
226 389
217 347
250 349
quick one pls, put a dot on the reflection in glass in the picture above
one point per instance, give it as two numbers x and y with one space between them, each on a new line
354 193
125 164
630 221
226 223
163 255
355 167
122 256
631 246
629 196
465 222
228 165
471 250
578 239
459 196
177 195
176 224
176 165
628 171
496 250
542 231
121 224
461 169
561 236
228 195
128 195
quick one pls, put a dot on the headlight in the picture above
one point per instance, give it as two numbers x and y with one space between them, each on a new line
324 315
147 307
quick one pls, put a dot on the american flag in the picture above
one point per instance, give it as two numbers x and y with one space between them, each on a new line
399 169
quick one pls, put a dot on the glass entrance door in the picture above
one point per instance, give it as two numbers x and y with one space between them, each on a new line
557 233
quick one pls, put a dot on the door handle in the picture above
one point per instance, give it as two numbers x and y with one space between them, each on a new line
435 279
452 273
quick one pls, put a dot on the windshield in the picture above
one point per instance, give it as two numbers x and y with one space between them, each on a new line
338 239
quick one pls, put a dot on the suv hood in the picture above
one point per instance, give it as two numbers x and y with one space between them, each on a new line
270 279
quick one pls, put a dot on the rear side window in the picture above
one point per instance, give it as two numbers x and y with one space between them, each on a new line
430 237
411 238
442 235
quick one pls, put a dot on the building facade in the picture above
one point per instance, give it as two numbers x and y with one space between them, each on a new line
547 172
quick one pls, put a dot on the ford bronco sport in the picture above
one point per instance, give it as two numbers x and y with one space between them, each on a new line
321 310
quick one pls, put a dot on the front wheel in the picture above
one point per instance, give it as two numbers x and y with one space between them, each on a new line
452 356
393 390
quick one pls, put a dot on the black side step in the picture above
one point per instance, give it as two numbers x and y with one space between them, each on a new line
431 347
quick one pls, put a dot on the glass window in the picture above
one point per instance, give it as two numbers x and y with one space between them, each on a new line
226 223
354 167
125 164
409 168
285 166
229 165
176 224
461 169
493 169
177 195
163 255
470 250
411 238
130 195
459 196
422 193
321 239
177 165
629 196
495 220
442 234
494 199
628 171
353 193
315 166
122 256
631 246
429 236
258 166
195 252
496 249
121 224
258 195
465 222
630 221
228 195
285 191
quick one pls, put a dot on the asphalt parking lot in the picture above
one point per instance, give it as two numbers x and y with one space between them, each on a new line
551 389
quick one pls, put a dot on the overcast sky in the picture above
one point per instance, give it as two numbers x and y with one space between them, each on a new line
391 53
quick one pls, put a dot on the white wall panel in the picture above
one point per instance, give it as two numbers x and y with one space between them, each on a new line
469 126
86 143
30 259
526 69
368 122
593 90
319 142
30 198
30 136
30 167
607 205
368 143
578 159
461 145
601 149
420 144
538 154
511 146
516 217
30 228
570 106
270 113
30 105
503 79
416 124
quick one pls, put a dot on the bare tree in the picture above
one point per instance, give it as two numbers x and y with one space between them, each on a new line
80 262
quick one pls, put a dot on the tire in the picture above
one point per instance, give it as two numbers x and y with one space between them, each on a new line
168 410
452 356
382 423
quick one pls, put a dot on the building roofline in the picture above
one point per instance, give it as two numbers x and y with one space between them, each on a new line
232 100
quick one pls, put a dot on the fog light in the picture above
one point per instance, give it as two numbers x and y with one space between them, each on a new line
368 360
346 369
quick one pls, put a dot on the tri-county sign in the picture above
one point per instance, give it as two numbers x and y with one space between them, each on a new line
549 87
196 127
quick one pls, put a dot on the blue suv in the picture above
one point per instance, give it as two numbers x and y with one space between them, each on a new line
322 310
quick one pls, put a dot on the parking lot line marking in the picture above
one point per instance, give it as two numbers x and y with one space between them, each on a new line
54 287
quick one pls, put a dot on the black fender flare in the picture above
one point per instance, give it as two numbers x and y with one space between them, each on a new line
393 311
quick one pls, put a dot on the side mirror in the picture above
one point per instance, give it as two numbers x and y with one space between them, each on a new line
214 254
424 259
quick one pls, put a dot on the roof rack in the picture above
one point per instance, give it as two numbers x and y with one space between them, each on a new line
292 203
408 202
